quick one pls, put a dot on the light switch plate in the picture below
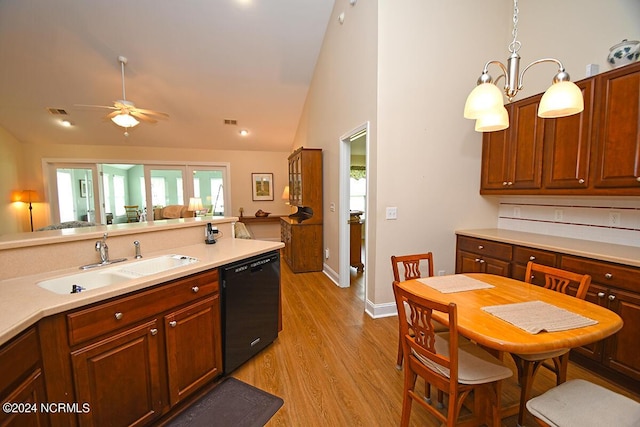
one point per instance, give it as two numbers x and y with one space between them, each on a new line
392 212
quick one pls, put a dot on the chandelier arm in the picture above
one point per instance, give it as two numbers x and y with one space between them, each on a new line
539 61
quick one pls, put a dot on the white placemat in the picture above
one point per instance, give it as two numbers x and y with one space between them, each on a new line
538 316
454 283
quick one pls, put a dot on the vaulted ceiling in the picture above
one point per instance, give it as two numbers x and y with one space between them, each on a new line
200 61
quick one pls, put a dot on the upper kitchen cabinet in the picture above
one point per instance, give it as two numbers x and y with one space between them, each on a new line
567 145
618 137
596 152
512 158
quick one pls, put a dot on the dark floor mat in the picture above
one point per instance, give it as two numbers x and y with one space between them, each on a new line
231 403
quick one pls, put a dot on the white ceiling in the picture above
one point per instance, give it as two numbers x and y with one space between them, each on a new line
200 61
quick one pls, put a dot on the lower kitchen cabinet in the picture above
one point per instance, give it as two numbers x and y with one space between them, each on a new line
483 256
614 286
133 358
22 383
194 347
119 377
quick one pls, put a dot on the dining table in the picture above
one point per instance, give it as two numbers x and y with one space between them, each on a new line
484 301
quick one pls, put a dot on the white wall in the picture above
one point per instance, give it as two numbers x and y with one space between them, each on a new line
415 61
13 216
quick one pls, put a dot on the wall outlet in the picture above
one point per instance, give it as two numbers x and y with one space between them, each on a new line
558 215
326 253
392 212
441 272
614 219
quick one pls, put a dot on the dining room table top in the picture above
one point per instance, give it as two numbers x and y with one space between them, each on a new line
490 331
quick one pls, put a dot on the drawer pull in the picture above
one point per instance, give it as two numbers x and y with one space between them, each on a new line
195 289
600 294
581 181
612 297
153 331
532 258
608 275
173 323
118 315
480 247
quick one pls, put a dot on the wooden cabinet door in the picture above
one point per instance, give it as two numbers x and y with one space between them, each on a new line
618 137
512 158
194 353
567 145
306 248
621 352
596 295
468 262
119 377
30 394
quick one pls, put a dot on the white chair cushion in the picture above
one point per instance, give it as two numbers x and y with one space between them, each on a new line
579 403
475 365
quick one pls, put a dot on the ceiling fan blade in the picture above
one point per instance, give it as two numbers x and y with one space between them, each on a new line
95 106
142 117
113 114
158 114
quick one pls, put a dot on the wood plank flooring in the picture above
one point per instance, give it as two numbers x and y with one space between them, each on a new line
335 366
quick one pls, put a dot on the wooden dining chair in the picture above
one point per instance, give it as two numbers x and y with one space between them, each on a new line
558 280
582 403
132 213
413 267
456 366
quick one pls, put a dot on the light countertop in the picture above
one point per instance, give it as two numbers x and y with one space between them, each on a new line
621 254
23 302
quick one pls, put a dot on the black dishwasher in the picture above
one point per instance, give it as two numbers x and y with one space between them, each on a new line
250 304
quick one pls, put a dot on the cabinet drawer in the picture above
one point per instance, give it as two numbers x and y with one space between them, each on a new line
523 255
605 273
106 317
485 247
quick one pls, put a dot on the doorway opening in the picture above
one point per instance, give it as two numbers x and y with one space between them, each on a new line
354 187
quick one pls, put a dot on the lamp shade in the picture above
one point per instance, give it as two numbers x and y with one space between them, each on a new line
195 204
560 100
497 119
125 120
484 97
285 193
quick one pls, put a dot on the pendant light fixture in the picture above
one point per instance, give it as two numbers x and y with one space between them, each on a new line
485 103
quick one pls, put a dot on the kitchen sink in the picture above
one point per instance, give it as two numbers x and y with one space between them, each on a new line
95 279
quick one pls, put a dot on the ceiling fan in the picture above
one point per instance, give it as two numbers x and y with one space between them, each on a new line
125 113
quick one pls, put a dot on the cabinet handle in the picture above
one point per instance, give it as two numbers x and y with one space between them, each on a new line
581 181
612 297
608 275
532 258
195 289
600 294
153 331
118 315
480 247
638 178
504 183
173 323
509 183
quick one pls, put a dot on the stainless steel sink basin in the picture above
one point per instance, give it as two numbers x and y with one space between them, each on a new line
95 279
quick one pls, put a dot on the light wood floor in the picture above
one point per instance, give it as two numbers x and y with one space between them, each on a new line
335 366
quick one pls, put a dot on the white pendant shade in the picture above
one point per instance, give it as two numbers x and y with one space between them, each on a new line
125 120
497 119
484 97
560 100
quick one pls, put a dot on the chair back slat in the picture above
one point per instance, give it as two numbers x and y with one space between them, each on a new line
559 280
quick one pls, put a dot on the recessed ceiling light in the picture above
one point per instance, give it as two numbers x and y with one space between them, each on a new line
66 123
244 132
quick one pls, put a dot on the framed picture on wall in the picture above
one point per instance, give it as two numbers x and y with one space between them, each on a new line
83 188
262 186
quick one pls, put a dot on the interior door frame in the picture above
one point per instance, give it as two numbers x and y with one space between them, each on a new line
344 276
50 168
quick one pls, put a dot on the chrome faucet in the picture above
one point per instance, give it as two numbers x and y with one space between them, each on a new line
101 246
137 245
